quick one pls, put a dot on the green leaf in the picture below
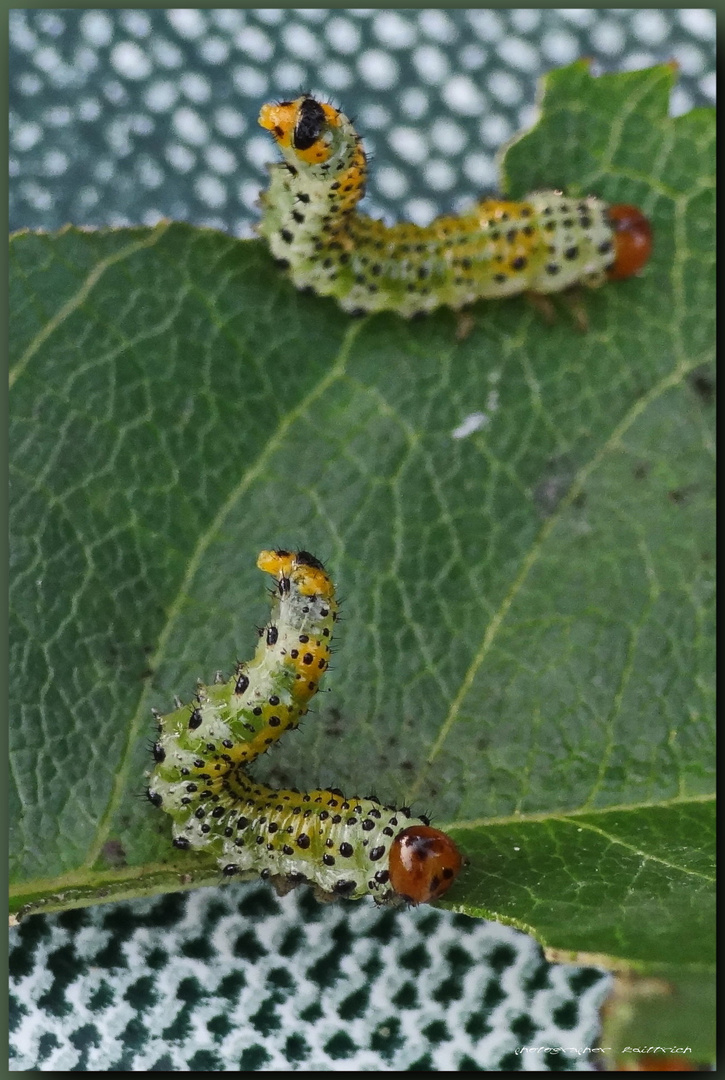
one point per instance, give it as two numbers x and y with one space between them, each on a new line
527 644
657 1017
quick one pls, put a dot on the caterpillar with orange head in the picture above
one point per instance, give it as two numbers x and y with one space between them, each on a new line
347 847
543 244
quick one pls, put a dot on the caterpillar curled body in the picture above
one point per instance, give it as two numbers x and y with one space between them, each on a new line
543 244
347 847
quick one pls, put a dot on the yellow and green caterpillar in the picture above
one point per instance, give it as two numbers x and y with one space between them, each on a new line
543 244
347 847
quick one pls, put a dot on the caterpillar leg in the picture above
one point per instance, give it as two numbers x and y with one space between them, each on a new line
571 299
465 323
544 305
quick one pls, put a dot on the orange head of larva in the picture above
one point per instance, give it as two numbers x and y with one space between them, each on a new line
309 575
632 240
302 127
424 862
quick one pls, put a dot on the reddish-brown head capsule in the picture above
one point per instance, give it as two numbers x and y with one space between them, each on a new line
424 862
632 240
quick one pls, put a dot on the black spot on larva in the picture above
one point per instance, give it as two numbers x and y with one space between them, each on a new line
287 850
605 246
302 197
382 876
303 841
181 842
191 787
368 825
305 559
241 684
346 850
205 828
283 585
286 235
154 797
387 831
159 753
571 253
195 719
552 269
242 823
377 853
328 860
230 870
272 635
344 888
518 263
307 658
304 638
218 811
200 812
299 218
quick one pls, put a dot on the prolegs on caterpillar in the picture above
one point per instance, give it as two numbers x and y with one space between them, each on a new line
543 244
347 847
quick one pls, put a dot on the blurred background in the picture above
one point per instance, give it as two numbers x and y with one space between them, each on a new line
122 117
